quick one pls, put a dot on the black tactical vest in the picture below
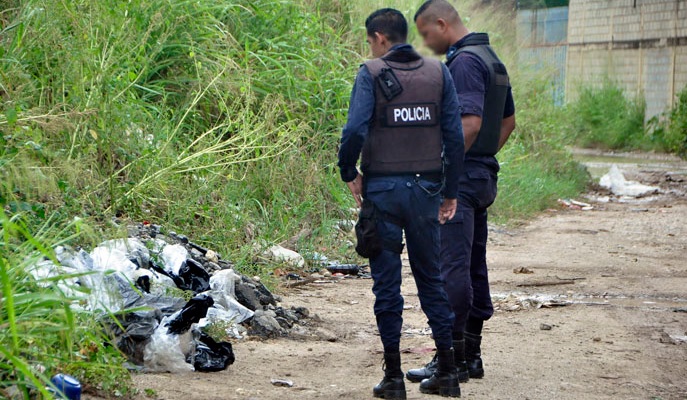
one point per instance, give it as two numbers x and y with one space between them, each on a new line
487 142
405 133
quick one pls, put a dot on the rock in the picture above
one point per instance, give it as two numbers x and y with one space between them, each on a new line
211 266
317 276
327 274
212 256
265 324
283 255
253 295
545 327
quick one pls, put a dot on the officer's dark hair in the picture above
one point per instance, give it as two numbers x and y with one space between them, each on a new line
437 9
390 23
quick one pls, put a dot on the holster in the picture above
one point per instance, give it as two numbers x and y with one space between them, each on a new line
370 243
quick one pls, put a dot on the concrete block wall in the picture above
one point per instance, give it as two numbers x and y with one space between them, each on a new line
641 44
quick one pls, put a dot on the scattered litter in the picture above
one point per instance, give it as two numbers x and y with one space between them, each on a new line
575 205
615 181
282 382
192 312
667 338
522 270
418 332
164 354
211 356
67 386
680 310
140 287
513 302
283 255
345 269
545 327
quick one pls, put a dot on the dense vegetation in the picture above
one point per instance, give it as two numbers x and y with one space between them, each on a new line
605 117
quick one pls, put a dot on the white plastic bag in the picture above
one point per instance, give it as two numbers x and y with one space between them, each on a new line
164 353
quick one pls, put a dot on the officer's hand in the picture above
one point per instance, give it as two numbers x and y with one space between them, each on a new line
447 210
356 187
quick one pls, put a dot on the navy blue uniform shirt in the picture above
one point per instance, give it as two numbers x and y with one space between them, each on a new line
360 115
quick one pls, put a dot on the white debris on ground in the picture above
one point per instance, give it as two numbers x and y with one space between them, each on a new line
615 181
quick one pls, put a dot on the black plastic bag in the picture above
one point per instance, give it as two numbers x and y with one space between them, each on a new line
211 356
194 276
137 329
192 312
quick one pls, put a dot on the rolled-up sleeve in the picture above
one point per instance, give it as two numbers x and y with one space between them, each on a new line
355 131
452 134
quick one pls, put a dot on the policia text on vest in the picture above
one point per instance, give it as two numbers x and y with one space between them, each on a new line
412 115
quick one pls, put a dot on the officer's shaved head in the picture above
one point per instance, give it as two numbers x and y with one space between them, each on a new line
432 10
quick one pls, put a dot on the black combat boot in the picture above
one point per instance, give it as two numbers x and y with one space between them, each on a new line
473 355
419 374
392 386
444 381
459 356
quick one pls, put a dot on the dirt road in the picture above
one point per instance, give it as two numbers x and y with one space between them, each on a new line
610 283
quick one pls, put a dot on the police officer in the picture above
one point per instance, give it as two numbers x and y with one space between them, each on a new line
488 118
403 117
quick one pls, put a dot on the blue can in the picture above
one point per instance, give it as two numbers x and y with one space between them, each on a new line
69 387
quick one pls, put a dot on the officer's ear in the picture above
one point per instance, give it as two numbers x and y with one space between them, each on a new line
442 25
379 38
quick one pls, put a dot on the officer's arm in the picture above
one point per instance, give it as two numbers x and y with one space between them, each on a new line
508 123
355 131
471 126
507 127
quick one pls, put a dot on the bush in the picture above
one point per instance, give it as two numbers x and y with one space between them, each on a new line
670 129
604 117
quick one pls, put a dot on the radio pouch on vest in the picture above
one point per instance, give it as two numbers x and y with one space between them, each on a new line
370 243
389 84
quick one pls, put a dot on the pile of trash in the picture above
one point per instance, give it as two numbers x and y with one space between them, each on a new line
163 298
615 181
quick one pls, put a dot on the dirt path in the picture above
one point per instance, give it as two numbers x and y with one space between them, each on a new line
617 274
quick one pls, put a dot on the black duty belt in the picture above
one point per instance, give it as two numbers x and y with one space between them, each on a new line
435 177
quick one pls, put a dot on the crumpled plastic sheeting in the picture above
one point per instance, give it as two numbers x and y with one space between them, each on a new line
222 284
121 275
174 256
164 352
615 181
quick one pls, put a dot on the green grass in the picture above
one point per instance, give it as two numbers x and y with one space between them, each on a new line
42 334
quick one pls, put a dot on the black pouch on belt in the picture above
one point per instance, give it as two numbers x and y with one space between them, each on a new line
369 243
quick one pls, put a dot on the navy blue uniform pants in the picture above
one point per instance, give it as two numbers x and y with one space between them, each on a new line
415 203
464 247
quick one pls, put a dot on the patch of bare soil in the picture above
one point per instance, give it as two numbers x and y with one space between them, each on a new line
590 305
